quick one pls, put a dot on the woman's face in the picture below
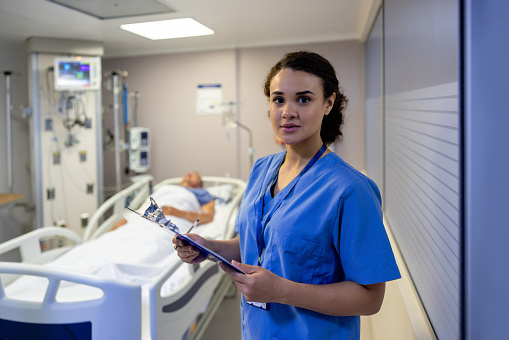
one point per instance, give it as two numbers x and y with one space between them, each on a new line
297 107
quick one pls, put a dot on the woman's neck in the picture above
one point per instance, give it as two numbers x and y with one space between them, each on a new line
298 156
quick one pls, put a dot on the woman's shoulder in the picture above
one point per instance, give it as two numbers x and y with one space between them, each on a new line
269 161
339 167
336 170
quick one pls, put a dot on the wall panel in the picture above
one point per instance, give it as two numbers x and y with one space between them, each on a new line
422 150
374 104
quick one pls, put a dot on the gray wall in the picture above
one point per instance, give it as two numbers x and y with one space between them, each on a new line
184 141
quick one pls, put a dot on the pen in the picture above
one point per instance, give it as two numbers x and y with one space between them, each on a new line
194 225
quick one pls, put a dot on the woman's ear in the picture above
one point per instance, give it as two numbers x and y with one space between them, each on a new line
330 103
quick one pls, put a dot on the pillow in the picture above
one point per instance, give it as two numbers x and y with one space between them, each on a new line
221 193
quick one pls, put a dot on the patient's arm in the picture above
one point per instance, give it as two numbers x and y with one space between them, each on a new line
205 215
119 224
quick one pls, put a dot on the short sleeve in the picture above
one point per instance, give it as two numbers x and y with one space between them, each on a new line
361 239
202 195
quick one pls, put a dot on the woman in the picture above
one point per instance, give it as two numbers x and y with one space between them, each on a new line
311 239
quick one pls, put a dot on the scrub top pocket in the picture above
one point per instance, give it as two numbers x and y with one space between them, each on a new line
293 257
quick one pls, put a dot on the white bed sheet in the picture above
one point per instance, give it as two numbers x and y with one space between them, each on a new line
135 253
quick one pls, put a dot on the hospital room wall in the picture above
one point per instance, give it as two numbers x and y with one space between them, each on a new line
184 141
14 221
254 63
181 140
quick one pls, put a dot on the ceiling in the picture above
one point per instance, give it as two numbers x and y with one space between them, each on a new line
237 23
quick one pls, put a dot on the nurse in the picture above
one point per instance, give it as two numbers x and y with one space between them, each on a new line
311 242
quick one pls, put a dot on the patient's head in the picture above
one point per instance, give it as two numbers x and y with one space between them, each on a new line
192 180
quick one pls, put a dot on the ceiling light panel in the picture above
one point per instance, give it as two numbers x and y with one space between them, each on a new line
109 9
168 29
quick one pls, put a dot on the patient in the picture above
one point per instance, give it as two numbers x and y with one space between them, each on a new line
191 181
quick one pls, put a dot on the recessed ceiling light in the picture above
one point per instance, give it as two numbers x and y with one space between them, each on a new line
168 29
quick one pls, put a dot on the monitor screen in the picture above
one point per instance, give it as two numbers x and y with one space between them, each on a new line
77 74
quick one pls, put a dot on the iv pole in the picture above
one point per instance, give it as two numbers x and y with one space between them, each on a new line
7 75
229 122
251 149
117 131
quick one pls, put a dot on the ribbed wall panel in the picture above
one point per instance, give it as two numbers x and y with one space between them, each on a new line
422 196
374 105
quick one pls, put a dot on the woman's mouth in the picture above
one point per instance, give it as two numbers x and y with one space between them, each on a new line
289 127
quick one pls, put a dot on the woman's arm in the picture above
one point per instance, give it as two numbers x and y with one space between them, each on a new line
339 299
205 215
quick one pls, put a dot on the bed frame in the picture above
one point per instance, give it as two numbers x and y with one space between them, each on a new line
166 317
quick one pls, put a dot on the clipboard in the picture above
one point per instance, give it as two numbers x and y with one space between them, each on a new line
154 214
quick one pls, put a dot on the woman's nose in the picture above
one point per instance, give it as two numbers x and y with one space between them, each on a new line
289 112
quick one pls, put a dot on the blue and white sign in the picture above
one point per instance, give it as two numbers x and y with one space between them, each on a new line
208 99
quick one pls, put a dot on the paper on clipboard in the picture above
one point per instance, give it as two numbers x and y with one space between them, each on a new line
155 215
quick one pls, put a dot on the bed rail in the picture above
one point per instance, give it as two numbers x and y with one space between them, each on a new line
114 315
174 314
29 244
132 196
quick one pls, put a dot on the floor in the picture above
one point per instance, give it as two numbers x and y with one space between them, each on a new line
226 322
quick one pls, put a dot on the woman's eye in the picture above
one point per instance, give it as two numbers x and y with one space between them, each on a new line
303 99
278 100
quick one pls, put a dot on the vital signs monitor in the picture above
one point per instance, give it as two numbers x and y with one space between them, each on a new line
77 73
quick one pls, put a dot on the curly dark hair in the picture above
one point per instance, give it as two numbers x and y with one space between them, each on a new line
317 65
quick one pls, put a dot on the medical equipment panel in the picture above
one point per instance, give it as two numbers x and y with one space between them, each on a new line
139 145
66 135
77 73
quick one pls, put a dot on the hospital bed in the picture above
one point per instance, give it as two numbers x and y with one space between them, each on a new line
52 288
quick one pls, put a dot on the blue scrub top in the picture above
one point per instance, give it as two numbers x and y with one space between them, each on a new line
328 229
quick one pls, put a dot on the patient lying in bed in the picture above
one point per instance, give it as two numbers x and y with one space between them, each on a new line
205 213
137 252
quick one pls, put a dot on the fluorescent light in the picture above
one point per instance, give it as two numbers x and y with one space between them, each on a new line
168 29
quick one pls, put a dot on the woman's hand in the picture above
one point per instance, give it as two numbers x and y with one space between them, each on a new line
340 298
257 285
187 252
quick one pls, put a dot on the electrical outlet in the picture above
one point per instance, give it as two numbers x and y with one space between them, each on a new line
50 194
56 158
48 124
